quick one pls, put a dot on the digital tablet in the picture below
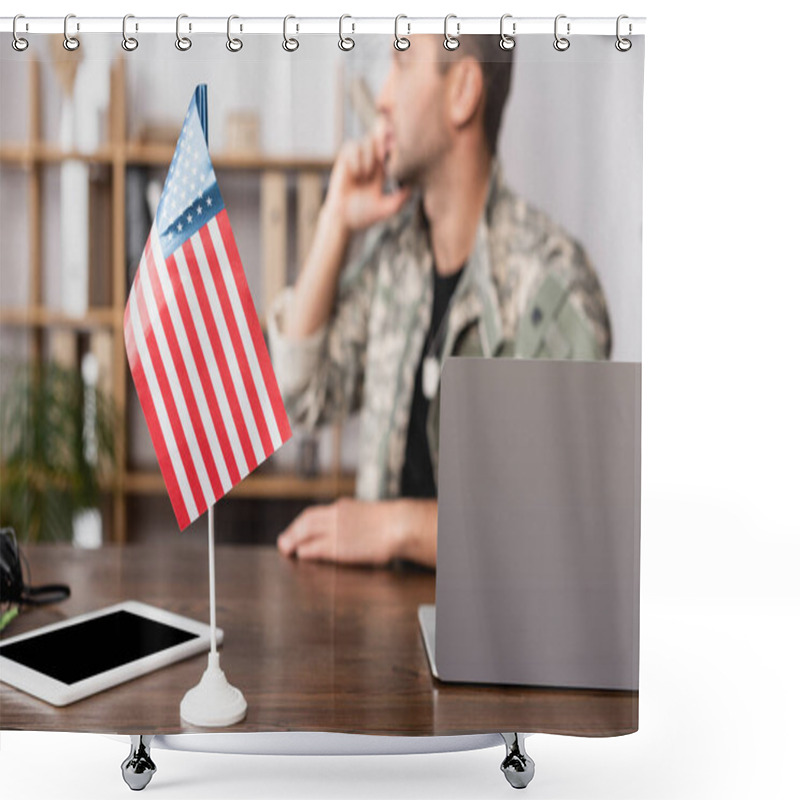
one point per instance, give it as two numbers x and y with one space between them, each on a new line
73 659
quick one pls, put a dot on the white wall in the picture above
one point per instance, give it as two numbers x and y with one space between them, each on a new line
572 145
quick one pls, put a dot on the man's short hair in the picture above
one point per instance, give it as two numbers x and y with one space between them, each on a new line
496 64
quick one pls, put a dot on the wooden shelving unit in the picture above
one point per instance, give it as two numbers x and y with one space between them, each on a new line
33 155
274 486
38 317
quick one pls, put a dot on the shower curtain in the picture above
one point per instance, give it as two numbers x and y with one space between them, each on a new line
393 209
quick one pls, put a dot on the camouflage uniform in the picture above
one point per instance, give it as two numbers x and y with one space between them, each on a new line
527 290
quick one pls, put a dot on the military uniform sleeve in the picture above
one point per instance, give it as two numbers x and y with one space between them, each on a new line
564 315
321 376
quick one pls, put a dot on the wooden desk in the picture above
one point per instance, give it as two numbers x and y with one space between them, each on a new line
313 647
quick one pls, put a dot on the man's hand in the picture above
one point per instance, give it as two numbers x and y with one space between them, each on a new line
354 201
355 195
368 533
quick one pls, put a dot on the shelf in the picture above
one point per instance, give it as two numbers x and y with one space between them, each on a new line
161 154
25 154
273 485
20 154
37 317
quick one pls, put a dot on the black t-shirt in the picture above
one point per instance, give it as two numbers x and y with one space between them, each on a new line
417 478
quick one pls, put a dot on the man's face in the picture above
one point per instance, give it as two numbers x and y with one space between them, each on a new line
413 112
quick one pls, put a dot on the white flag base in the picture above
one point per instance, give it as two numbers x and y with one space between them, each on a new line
213 702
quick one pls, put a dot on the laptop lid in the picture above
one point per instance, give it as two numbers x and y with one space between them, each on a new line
537 577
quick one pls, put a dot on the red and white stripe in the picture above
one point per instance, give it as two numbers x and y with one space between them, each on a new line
201 368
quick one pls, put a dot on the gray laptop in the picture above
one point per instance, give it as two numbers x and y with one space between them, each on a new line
537 579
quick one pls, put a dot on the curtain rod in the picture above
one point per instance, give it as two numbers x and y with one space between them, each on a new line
326 25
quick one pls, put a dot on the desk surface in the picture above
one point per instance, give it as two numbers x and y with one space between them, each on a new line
313 647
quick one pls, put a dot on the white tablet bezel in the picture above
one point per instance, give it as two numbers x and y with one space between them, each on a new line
59 693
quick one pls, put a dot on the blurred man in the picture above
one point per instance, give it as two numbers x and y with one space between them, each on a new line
453 264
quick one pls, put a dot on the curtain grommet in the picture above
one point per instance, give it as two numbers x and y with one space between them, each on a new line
233 44
19 43
129 43
401 43
451 42
561 43
622 44
290 44
183 43
507 42
71 43
346 43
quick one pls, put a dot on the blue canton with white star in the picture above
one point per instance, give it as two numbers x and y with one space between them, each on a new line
191 196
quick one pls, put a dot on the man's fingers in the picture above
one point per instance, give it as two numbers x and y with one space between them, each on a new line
363 161
294 534
368 159
389 204
349 155
379 139
287 541
321 548
373 206
308 525
290 543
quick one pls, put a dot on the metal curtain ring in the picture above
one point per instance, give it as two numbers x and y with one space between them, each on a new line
233 44
561 43
507 42
129 43
183 43
290 44
70 42
18 43
346 42
623 45
451 42
401 42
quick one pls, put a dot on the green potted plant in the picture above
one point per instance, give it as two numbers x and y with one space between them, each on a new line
57 433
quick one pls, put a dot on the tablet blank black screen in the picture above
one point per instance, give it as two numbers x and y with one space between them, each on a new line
88 648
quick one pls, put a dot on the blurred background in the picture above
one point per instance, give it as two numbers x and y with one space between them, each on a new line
85 142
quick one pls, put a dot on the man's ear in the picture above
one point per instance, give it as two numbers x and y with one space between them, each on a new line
465 91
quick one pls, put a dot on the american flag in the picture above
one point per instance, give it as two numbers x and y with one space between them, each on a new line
194 342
